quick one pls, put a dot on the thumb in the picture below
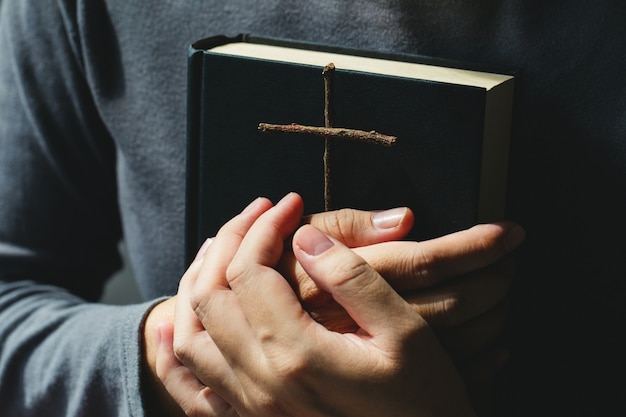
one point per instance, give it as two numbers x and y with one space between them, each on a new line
355 285
360 228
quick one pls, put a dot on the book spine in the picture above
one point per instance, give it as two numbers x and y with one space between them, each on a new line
194 89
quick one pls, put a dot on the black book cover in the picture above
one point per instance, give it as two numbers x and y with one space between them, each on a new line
448 165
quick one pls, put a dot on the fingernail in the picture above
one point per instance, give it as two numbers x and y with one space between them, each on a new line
203 249
285 198
252 205
514 237
313 242
388 219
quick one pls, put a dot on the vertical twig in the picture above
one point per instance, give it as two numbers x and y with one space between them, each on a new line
329 74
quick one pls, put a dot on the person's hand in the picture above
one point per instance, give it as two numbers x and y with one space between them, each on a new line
352 227
461 309
459 283
265 355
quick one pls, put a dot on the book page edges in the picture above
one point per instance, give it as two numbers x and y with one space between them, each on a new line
433 73
495 152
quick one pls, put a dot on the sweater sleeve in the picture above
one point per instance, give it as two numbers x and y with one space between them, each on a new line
64 357
60 353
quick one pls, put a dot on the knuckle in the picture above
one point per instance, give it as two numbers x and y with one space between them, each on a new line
235 271
268 337
292 366
199 302
293 369
351 276
290 363
183 351
340 224
424 266
208 397
191 406
267 404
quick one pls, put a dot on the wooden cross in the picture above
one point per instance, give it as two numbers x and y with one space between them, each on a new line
328 132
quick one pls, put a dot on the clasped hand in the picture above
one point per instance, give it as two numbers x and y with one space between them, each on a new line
248 345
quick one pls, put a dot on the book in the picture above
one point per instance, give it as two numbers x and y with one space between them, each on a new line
451 120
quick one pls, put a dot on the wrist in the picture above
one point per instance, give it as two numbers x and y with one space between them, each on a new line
163 311
156 399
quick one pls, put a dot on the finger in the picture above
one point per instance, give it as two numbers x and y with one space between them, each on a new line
413 265
256 322
353 228
192 344
211 266
359 228
185 320
265 297
409 266
229 237
226 368
447 306
190 395
214 307
357 287
274 226
464 298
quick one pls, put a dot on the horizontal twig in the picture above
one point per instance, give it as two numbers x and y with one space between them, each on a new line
335 132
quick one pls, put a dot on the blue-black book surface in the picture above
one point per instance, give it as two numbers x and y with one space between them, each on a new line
452 122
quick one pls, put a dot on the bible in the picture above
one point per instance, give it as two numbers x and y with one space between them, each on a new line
450 123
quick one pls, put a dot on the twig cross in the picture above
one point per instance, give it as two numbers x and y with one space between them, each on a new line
329 133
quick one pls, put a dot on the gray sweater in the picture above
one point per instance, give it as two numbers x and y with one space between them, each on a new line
92 150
